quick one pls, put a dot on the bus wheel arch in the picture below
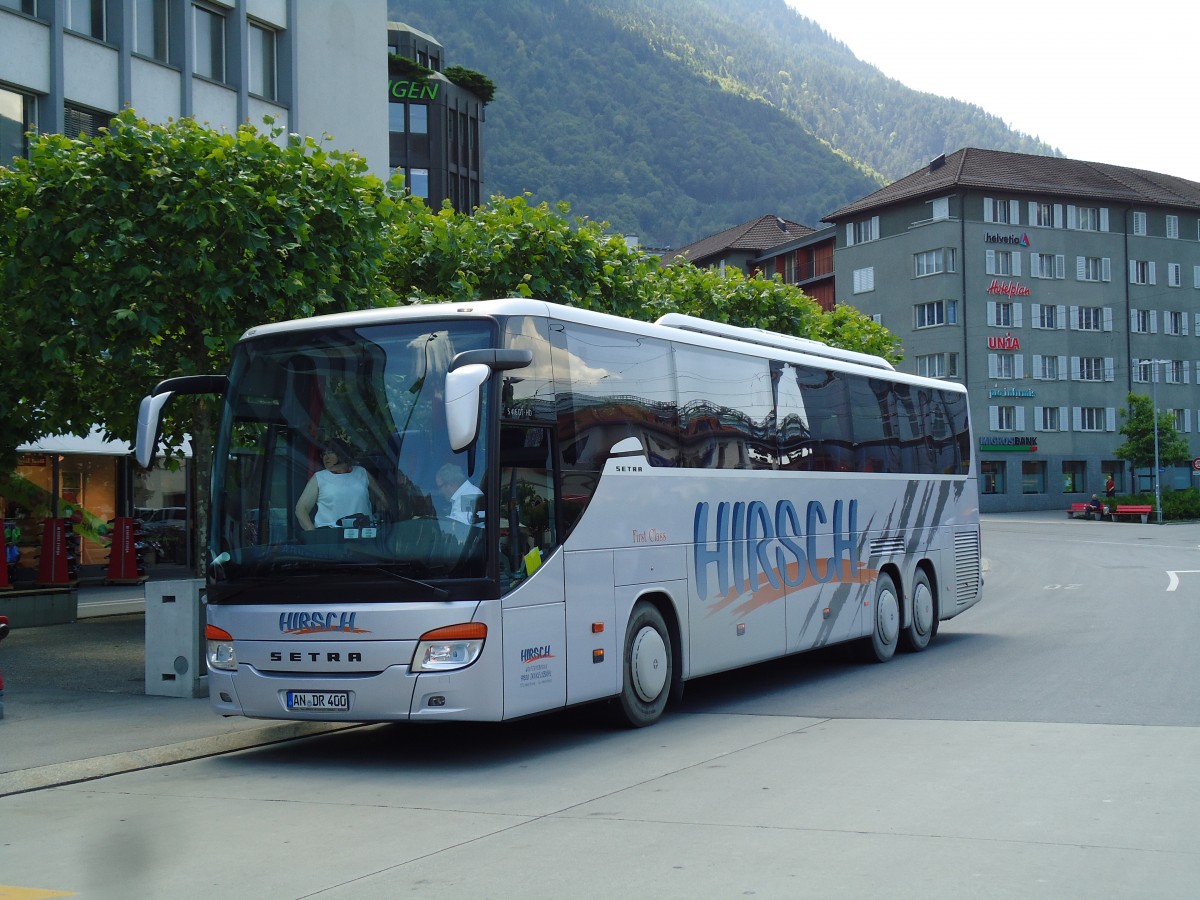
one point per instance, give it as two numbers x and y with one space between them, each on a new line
886 612
922 610
650 672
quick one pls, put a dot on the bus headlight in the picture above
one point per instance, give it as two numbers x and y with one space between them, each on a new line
452 647
220 649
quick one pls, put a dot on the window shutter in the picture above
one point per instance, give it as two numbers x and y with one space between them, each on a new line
1196 276
1060 266
1074 368
1058 215
1062 418
1060 319
1110 418
1038 417
1139 223
1104 218
1035 315
1154 321
1034 268
1072 217
994 418
1107 318
1133 314
1014 212
1033 208
877 318
1062 368
991 312
1133 271
1018 315
1077 418
1109 368
987 209
1016 258
1187 420
1080 268
1037 365
1019 366
1187 371
849 234
1151 279
1105 269
1074 317
1020 418
989 262
1183 322
941 208
993 365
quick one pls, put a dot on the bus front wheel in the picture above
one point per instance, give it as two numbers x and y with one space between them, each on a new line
648 667
922 622
886 631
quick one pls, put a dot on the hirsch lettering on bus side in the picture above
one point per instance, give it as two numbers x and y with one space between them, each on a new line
318 623
747 542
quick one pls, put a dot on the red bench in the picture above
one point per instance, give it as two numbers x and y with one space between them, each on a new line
1084 511
1141 511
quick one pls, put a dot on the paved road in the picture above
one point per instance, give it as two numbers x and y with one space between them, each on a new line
1044 747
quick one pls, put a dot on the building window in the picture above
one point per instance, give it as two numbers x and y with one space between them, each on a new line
1087 218
1042 215
1002 262
79 121
1089 368
1176 371
1141 370
1174 275
1141 271
1139 224
29 7
1005 365
1046 368
1004 314
992 477
418 128
863 231
1093 268
1002 212
1033 477
1074 476
17 116
1089 318
263 79
1173 226
941 208
210 43
418 183
934 262
938 365
1004 418
1175 322
152 29
1094 418
935 312
1048 418
864 280
1143 321
88 17
1183 420
1047 265
1048 316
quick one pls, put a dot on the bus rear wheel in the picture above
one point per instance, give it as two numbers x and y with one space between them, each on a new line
647 668
885 633
923 621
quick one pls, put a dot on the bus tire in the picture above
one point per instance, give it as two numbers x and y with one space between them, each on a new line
885 630
922 618
647 668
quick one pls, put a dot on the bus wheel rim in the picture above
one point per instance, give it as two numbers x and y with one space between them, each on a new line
923 608
889 617
649 664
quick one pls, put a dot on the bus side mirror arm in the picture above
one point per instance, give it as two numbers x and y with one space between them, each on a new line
151 407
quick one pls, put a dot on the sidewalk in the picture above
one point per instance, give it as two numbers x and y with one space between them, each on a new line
75 703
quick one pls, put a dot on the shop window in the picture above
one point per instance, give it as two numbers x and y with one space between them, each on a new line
1074 477
1033 477
992 478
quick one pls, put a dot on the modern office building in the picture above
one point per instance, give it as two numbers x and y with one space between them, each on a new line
435 126
1052 288
316 66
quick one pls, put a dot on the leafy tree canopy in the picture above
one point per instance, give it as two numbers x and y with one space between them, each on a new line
1138 428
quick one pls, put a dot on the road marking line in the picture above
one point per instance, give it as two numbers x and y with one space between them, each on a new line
12 892
1173 577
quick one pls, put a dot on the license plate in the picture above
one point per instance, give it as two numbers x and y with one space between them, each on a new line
318 701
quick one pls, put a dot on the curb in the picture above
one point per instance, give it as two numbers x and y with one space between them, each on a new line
73 772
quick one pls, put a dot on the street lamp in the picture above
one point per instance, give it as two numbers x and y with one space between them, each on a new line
1154 400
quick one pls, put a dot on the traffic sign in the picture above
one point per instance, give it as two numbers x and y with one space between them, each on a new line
1196 463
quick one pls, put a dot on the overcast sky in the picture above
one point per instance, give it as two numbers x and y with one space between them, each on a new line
1099 81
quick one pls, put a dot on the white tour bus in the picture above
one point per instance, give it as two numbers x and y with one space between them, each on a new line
564 507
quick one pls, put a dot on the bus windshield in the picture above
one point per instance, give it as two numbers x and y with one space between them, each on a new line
334 457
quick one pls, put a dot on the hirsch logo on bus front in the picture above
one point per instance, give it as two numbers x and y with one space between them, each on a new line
534 654
319 623
748 541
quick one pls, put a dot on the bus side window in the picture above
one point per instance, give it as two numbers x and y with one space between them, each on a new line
528 527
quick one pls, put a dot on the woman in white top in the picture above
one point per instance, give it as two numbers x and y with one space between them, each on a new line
340 489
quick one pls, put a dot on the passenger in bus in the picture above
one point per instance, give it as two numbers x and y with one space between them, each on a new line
338 491
457 498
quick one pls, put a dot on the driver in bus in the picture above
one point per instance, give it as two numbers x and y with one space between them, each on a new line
457 498
340 490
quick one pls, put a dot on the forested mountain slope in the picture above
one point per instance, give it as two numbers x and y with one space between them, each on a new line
675 119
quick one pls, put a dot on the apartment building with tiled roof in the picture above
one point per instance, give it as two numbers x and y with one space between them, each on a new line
1050 287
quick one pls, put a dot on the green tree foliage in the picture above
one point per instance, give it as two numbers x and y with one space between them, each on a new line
145 252
674 119
1137 424
513 247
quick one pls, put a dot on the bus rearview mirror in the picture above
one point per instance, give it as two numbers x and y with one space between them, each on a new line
463 398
